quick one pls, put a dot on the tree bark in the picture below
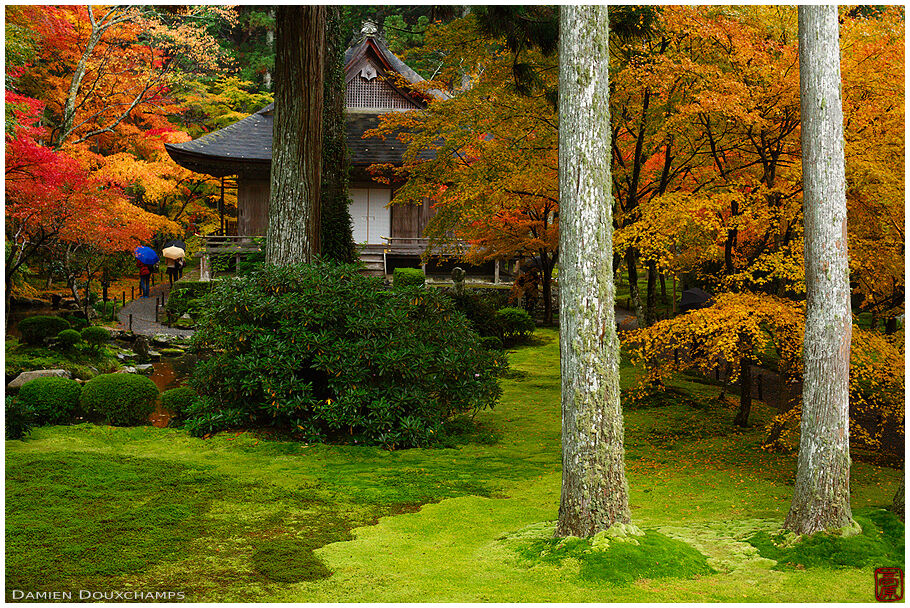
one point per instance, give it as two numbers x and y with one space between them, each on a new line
594 487
337 238
292 236
651 296
821 497
745 393
897 506
634 294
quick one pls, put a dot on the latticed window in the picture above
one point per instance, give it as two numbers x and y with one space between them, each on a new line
375 93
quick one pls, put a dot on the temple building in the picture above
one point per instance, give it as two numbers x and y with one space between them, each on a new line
374 77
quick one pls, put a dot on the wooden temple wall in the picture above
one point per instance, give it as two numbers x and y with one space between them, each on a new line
252 206
409 221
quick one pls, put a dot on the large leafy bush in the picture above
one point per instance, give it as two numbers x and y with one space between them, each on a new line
120 399
51 400
328 353
35 329
18 418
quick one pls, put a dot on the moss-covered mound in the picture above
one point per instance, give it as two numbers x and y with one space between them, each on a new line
881 543
619 560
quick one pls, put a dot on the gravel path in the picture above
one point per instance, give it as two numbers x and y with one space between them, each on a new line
143 311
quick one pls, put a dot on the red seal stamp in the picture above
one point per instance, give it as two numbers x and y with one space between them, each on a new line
889 584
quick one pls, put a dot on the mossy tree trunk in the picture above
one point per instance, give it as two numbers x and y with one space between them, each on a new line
292 236
594 488
821 496
337 238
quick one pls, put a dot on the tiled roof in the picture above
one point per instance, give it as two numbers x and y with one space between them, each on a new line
247 145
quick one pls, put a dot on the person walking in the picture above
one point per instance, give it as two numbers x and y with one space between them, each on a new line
172 270
145 273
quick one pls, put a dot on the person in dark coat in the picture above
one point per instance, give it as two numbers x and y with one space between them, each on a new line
145 273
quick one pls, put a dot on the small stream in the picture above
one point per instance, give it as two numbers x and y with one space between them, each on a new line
168 373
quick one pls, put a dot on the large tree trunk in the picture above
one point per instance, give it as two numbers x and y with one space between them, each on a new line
337 228
821 497
594 488
292 236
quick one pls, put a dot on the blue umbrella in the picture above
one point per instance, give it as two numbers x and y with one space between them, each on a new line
146 255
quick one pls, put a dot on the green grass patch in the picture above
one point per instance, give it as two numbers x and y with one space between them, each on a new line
881 543
245 517
87 520
620 561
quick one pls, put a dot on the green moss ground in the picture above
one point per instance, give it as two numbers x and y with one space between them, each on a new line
238 518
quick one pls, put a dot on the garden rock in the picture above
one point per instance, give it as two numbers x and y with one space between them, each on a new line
154 355
141 347
25 377
145 368
162 340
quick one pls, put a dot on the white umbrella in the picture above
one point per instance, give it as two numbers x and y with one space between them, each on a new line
173 252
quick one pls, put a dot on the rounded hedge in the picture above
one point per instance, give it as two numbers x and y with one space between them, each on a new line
408 277
120 399
35 329
516 323
330 354
68 338
51 400
96 336
178 400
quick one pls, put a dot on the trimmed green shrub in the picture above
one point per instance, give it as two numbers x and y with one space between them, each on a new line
178 401
35 329
329 354
69 338
76 320
96 336
120 399
491 343
408 277
51 400
516 323
18 419
107 309
184 292
480 307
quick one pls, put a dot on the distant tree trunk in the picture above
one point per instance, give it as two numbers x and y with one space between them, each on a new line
663 288
594 487
745 392
292 236
634 295
651 299
546 283
821 496
337 228
897 506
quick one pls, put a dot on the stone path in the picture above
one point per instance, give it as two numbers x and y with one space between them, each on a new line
143 311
